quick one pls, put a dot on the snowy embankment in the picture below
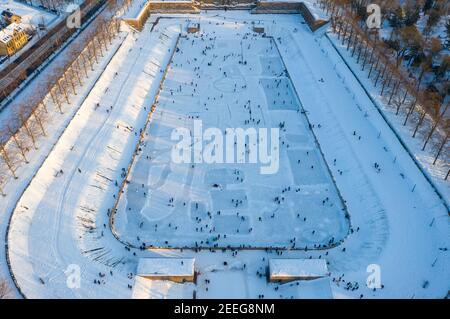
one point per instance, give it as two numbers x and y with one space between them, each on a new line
167 204
15 187
60 221
403 223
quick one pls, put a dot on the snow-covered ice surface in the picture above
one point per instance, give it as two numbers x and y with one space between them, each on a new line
224 205
134 9
61 221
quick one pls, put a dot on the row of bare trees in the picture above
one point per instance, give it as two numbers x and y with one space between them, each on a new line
31 117
424 111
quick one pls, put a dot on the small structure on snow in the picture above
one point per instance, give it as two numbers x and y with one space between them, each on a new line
290 269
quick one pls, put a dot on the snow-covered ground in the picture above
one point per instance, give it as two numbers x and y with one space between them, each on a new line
135 8
397 221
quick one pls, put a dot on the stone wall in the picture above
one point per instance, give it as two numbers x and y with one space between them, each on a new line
260 7
267 7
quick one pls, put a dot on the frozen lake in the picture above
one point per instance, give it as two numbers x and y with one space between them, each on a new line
234 81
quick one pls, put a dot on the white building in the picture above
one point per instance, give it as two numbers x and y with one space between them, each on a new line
290 269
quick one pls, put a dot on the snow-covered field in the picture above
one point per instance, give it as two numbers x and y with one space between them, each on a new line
31 16
331 137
